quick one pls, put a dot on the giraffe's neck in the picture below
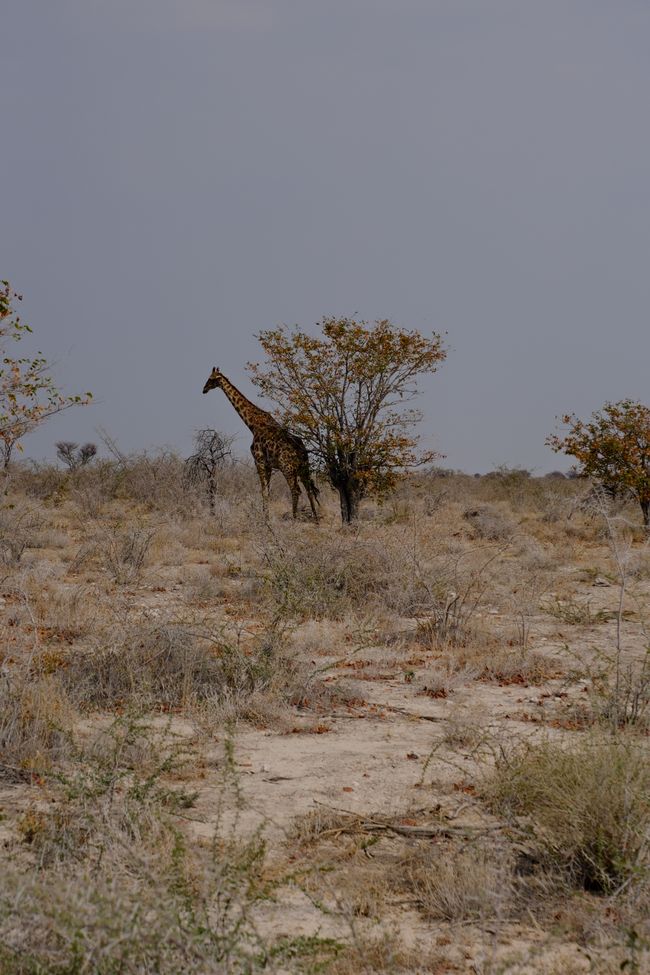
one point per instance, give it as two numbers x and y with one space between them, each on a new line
251 414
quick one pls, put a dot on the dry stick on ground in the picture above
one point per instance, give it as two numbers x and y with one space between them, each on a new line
385 707
412 714
367 825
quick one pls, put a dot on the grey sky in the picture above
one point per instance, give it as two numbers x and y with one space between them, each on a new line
177 174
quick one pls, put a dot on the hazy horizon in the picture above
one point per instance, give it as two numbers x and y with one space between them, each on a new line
179 175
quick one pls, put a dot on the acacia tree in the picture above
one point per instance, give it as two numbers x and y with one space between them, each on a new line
345 393
613 448
74 456
27 391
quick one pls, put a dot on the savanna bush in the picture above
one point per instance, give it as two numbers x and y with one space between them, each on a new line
586 807
20 522
459 885
159 663
488 522
35 724
140 896
323 576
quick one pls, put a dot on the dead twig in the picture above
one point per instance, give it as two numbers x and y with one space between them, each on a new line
412 714
366 825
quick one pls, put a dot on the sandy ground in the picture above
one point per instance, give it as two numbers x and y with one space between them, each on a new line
397 744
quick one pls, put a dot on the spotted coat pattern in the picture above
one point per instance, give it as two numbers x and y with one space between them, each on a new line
274 448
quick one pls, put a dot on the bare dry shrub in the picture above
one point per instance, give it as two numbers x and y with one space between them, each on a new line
86 923
627 705
361 892
442 678
640 565
35 724
515 666
19 525
68 613
49 613
559 506
383 953
51 538
468 655
157 481
311 576
123 552
489 523
585 806
471 883
111 799
153 480
91 488
464 729
618 689
36 479
140 898
316 576
310 827
449 619
324 637
511 484
169 665
448 592
200 586
575 612
156 663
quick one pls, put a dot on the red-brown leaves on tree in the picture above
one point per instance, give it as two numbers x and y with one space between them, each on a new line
345 392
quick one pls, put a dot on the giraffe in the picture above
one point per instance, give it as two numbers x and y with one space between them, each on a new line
274 448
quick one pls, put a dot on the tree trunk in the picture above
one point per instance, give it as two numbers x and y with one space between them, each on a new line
7 450
645 508
350 498
212 492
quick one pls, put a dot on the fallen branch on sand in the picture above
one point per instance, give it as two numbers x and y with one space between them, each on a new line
364 824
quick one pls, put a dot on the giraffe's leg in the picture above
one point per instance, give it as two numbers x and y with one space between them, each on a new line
290 475
263 472
295 494
312 501
285 463
306 482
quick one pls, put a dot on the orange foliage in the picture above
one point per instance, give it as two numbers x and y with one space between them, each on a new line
27 392
345 392
613 448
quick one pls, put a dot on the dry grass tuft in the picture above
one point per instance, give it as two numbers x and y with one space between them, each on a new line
469 884
166 665
20 522
35 725
314 577
586 807
488 522
139 898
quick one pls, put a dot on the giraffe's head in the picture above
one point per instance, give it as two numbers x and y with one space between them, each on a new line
214 380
